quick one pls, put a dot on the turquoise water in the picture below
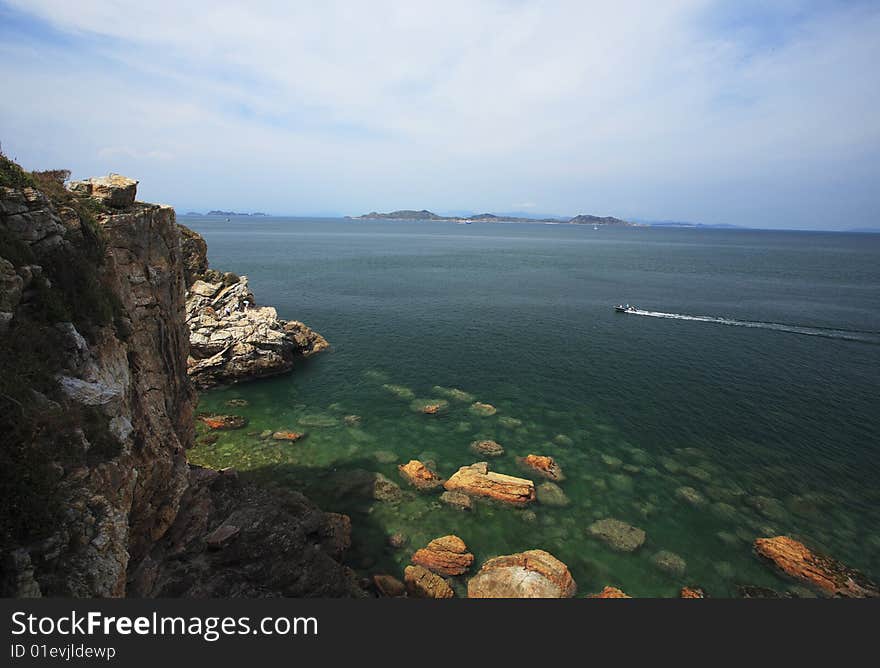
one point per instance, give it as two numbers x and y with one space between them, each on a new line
765 404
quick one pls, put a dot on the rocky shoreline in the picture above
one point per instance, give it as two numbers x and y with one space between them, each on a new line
97 410
106 427
232 339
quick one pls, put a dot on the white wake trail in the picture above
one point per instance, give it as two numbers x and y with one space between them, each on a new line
827 332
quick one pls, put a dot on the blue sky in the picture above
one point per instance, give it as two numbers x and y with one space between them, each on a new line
751 113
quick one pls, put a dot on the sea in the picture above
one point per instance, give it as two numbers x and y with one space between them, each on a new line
741 398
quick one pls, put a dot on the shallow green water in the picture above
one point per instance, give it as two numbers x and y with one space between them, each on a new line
776 429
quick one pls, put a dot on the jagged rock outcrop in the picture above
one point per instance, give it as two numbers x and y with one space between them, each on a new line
530 574
237 540
231 338
96 409
114 190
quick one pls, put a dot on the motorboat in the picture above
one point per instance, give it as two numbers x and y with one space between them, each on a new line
625 308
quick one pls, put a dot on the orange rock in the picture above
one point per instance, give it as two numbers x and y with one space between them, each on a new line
287 436
422 583
542 465
432 409
223 421
419 475
530 574
609 592
477 480
447 555
826 574
691 592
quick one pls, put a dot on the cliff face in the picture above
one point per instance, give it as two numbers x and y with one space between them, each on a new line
114 424
231 338
96 412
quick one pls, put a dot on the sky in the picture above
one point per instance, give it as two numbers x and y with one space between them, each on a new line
740 112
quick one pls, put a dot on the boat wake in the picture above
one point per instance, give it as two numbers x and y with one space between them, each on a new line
827 332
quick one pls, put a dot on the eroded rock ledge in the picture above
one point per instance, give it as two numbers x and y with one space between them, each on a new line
232 339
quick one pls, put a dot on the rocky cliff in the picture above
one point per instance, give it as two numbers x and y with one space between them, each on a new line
231 338
96 412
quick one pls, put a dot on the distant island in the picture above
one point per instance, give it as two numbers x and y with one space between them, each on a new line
424 214
224 213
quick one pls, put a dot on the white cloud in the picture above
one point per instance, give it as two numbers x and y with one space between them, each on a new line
632 108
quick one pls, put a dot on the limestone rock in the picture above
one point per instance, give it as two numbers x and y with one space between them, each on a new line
822 572
618 535
483 410
530 574
447 555
478 480
419 475
422 583
691 592
542 465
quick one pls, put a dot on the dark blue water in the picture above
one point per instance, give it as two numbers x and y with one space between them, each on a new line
750 375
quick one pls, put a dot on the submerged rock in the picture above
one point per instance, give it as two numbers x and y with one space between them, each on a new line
820 571
384 456
224 421
400 391
562 439
447 555
611 461
287 436
419 475
610 592
318 420
690 495
509 422
453 393
542 465
430 406
531 574
618 535
208 439
389 586
478 480
551 494
487 448
352 420
669 562
422 583
458 500
397 540
483 410
237 403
